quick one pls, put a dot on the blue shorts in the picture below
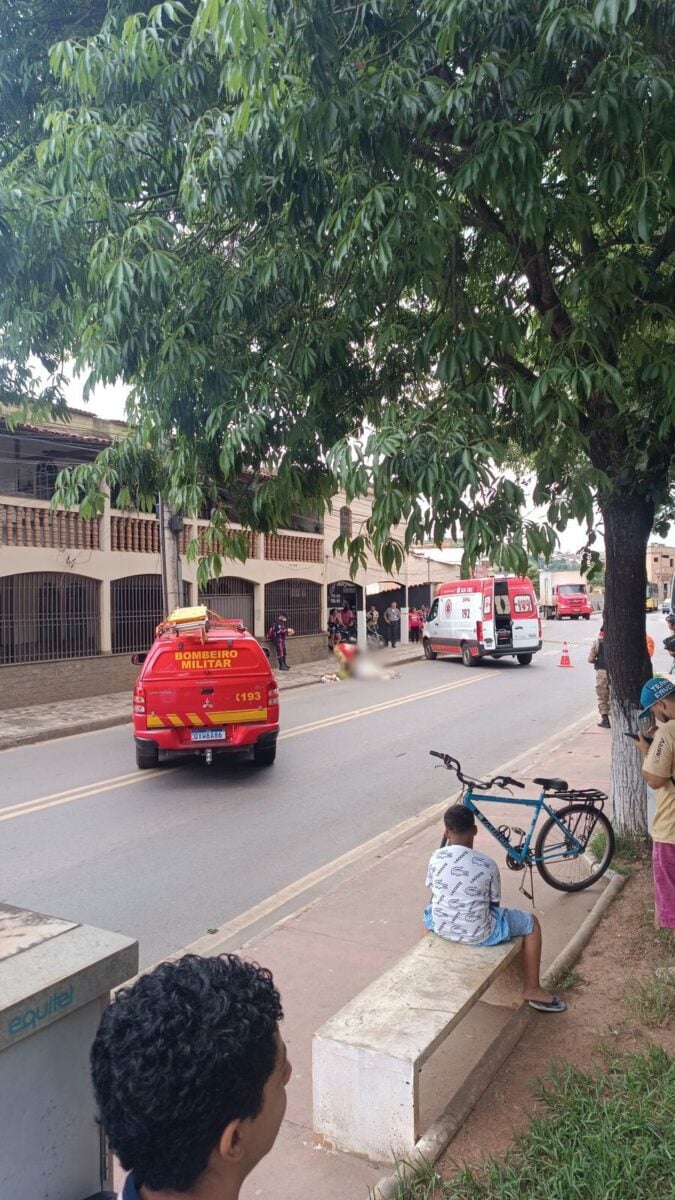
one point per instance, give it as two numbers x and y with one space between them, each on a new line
507 924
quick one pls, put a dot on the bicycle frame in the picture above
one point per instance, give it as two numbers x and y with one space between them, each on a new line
521 854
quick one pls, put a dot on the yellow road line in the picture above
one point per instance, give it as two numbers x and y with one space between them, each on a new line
71 793
356 713
84 792
111 786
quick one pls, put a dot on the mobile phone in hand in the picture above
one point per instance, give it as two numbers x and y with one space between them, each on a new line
634 736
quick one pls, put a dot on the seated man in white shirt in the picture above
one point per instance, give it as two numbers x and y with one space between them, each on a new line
465 894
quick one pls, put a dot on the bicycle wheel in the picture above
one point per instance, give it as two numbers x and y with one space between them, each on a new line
555 860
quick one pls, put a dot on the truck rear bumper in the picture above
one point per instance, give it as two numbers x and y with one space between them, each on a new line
178 741
510 651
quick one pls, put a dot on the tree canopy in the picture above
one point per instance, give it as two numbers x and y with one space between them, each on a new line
377 244
28 28
382 246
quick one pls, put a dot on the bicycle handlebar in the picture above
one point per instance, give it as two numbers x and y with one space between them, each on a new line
453 764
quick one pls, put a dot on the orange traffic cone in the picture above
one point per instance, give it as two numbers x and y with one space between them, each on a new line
565 660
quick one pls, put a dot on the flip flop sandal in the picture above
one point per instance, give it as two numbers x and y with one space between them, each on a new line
553 1006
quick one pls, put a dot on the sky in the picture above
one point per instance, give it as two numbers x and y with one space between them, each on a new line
108 401
105 400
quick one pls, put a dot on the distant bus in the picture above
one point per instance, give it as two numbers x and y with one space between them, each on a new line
652 597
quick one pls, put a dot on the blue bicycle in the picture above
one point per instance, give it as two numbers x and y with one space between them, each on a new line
574 847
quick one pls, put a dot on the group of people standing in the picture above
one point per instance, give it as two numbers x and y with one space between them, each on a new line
387 624
391 622
596 656
342 621
416 621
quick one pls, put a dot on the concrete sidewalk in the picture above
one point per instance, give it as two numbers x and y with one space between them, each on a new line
366 915
41 722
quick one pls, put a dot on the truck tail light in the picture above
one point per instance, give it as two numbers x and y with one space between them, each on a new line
479 630
540 629
139 702
272 695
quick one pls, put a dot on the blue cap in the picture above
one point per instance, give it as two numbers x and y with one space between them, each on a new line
654 690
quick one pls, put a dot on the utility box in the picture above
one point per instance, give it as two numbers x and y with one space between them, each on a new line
55 981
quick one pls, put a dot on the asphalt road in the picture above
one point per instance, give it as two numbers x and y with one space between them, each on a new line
167 855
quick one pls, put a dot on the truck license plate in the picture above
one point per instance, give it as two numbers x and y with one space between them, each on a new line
208 735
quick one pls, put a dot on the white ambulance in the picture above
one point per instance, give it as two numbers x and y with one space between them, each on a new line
484 618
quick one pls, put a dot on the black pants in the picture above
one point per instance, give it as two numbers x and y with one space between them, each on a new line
391 633
414 634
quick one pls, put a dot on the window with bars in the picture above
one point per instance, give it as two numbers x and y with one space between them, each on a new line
136 610
345 521
29 465
230 597
46 615
300 599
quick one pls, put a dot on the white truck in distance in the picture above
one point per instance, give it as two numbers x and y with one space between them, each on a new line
563 594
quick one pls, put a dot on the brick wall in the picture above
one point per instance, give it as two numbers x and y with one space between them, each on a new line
70 679
77 678
307 648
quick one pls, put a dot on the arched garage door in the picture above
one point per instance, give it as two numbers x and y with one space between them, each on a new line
136 608
300 599
47 615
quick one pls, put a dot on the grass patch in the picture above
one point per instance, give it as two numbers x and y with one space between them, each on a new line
425 1185
664 937
608 1134
630 849
626 849
651 1001
571 979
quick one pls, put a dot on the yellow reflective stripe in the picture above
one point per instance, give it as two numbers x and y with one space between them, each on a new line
195 719
175 719
238 716
154 722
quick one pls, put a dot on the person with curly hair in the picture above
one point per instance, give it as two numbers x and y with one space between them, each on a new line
190 1072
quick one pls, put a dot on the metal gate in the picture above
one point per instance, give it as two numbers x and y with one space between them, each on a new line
136 608
300 599
46 615
230 597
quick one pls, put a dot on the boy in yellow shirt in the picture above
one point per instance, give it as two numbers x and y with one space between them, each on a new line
658 702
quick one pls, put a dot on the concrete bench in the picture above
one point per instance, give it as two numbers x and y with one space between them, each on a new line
366 1060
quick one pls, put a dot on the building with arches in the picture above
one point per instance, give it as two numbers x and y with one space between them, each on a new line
78 596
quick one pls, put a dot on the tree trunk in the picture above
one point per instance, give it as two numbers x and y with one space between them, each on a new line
628 523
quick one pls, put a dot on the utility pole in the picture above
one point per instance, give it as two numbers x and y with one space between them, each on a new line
170 525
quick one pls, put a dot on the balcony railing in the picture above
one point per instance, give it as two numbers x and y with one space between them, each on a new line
36 525
31 526
290 547
135 535
206 546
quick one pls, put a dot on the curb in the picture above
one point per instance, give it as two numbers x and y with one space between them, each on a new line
11 741
439 1135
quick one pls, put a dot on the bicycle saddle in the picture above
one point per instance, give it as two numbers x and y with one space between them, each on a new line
553 785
